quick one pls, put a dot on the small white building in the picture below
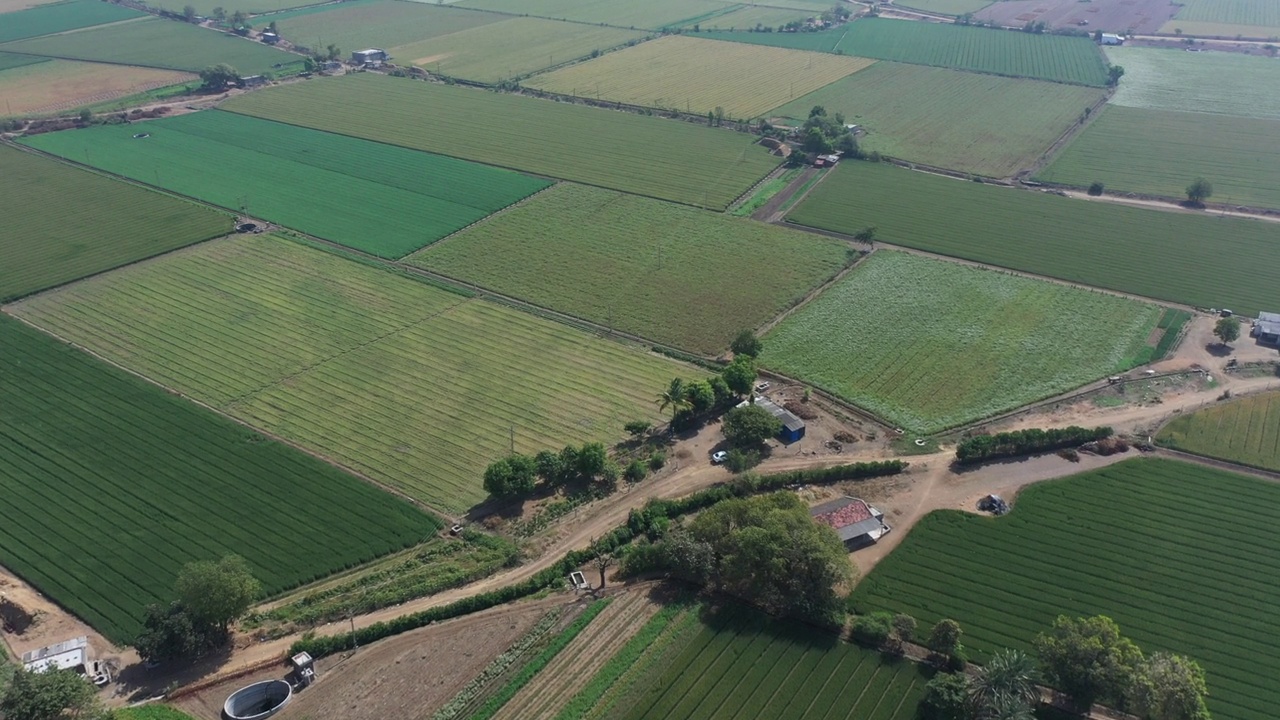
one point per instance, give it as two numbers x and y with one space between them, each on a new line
71 654
1112 39
371 56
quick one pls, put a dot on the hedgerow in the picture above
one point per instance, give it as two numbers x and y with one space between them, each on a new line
1022 442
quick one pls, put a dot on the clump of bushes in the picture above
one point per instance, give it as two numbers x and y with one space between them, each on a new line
1022 442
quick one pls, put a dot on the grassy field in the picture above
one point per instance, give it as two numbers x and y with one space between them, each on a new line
750 16
10 61
375 23
124 483
665 272
650 14
1044 57
1227 18
666 159
1215 82
380 199
151 712
99 223
410 384
981 124
1128 541
694 75
949 343
60 17
1179 257
1245 430
252 7
511 49
1164 151
62 85
159 43
945 7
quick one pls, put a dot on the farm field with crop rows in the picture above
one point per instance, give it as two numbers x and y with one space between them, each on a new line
98 224
62 16
666 272
666 159
61 85
951 343
375 23
749 16
976 123
649 15
743 665
1165 150
1227 18
410 384
945 7
1245 430
155 42
392 200
9 61
1133 541
685 73
1225 83
123 484
512 48
1179 257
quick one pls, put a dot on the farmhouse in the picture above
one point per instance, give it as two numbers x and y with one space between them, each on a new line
1112 39
1267 328
371 56
792 426
856 522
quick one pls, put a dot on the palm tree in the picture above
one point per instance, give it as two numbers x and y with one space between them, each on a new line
674 397
1006 688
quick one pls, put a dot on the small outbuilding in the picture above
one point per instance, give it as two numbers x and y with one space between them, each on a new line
1112 39
370 56
71 654
253 81
1267 328
269 38
792 426
856 521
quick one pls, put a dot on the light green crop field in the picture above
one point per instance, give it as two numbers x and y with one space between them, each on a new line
62 16
90 454
1245 430
98 224
686 73
1180 257
931 345
650 14
1226 83
159 43
982 124
1159 152
1227 18
1128 541
375 23
412 385
666 159
10 61
945 7
750 16
512 48
383 200
662 271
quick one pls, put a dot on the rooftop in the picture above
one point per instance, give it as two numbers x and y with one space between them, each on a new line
789 420
62 656
850 517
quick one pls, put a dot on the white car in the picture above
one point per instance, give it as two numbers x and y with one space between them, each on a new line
719 457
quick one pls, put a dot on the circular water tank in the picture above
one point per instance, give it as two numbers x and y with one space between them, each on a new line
259 700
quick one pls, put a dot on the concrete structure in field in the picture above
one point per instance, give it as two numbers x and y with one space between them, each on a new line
371 56
1267 328
792 426
1112 39
856 522
71 654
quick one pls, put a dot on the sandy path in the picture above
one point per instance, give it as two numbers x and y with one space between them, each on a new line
1168 206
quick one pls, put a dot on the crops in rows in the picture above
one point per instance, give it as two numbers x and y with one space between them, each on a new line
159 43
1223 83
9 61
151 711
60 85
98 223
60 17
410 384
111 485
1245 430
741 664
662 271
375 23
976 123
749 16
381 199
1227 18
253 7
1183 557
948 343
651 14
685 73
1164 151
946 7
1192 259
666 159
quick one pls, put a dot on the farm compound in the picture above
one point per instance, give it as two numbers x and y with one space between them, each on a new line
857 522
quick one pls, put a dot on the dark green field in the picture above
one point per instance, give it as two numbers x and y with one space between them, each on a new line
1185 558
110 485
8 61
1201 260
60 17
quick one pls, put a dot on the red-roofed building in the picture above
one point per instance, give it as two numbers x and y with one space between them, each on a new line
857 522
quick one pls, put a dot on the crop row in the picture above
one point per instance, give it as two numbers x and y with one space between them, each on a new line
1244 430
60 17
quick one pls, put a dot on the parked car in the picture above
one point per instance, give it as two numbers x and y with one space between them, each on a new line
719 457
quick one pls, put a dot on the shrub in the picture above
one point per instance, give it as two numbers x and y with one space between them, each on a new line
874 629
1022 442
742 460
657 459
636 471
1096 189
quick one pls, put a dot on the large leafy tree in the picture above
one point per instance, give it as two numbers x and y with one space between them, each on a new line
217 77
1227 329
749 426
1169 687
50 695
740 375
216 592
512 476
946 697
747 344
1088 659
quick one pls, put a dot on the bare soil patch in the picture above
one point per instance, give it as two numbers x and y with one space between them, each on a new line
1141 16
59 85
45 622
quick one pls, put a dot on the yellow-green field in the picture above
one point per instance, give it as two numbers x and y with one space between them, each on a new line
412 385
695 75
1227 18
1245 430
58 85
749 16
635 14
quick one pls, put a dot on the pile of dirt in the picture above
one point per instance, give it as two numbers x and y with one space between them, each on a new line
800 410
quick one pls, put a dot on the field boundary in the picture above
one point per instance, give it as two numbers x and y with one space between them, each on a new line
1092 113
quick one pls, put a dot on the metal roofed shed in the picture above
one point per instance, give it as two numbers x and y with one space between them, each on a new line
66 655
792 426
1267 328
370 56
857 522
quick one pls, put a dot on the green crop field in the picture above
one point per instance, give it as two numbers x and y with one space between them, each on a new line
98 223
410 384
975 123
375 23
665 272
945 7
650 14
1245 430
1226 83
60 17
1179 257
666 159
1162 151
931 344
1227 18
741 664
10 61
512 48
1044 57
1134 541
381 199
123 484
159 43
749 16
694 75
